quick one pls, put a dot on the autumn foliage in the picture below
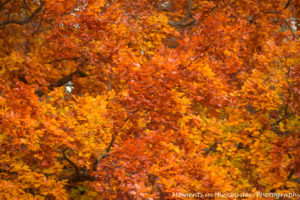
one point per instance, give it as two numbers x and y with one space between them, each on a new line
119 99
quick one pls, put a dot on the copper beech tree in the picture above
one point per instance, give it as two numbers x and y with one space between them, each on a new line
119 99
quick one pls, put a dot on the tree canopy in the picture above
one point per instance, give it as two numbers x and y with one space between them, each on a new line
143 99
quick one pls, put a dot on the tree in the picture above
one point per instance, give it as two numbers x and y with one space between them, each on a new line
166 97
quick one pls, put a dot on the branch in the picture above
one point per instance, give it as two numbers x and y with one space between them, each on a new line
62 59
284 118
290 174
287 4
81 174
7 171
113 139
188 12
39 25
24 21
4 3
185 22
112 142
62 81
10 9
291 29
233 2
80 178
66 79
71 162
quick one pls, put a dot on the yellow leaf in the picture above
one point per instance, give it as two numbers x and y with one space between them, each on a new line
281 127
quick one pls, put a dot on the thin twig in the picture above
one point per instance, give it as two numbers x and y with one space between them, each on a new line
4 3
188 13
291 174
112 142
25 20
10 9
291 29
282 119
